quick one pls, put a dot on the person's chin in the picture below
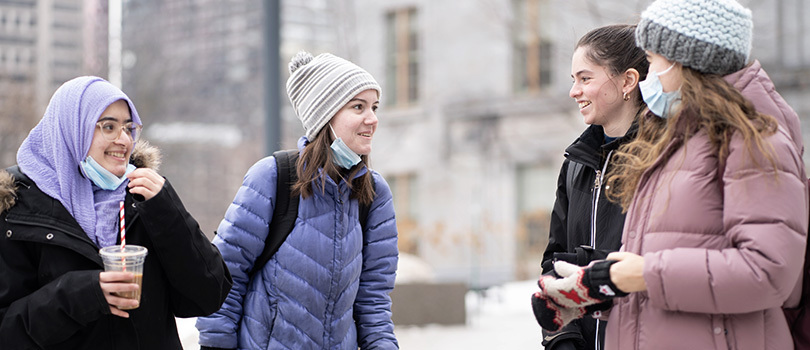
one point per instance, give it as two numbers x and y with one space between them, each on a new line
118 171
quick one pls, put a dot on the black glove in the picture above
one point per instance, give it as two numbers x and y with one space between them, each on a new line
582 256
569 338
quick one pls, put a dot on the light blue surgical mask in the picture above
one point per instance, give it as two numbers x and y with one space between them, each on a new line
344 157
103 178
658 101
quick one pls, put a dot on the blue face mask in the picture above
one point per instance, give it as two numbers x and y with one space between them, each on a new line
658 101
344 157
103 178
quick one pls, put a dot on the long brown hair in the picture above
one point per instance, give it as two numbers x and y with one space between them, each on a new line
318 155
708 103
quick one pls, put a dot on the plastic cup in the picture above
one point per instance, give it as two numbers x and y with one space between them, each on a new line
129 259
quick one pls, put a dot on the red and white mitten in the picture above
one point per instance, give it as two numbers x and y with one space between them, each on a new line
578 286
553 317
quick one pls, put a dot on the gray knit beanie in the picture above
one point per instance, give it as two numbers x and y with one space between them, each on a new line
320 86
709 36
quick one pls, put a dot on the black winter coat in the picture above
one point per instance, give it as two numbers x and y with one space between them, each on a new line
50 297
574 225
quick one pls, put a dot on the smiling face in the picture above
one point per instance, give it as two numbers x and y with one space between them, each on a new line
598 94
356 122
113 155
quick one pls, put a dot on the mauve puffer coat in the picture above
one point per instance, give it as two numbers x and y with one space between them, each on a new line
722 248
327 286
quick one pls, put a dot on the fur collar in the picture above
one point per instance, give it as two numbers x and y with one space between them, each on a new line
144 156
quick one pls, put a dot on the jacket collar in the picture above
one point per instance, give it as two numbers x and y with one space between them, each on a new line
741 78
589 148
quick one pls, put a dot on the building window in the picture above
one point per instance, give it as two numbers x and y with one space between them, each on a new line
402 57
406 201
792 29
535 189
532 45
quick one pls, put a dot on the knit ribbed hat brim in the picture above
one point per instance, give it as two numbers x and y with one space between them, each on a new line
709 36
693 53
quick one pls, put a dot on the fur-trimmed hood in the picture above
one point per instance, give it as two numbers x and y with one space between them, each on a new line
144 156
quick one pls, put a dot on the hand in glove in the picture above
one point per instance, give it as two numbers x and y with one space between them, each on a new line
580 286
553 317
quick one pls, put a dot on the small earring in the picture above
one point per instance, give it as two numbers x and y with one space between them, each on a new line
625 97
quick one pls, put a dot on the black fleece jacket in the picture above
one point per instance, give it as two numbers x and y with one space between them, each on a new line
574 225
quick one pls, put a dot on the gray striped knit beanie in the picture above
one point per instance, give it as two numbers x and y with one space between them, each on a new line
709 36
319 86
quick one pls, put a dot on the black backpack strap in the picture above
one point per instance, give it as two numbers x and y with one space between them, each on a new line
286 209
364 208
574 169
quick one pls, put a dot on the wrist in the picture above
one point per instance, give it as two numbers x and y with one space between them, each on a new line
600 281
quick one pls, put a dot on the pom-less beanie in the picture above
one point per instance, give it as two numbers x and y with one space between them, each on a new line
709 36
319 86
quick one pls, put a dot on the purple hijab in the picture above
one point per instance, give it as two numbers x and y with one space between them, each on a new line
51 154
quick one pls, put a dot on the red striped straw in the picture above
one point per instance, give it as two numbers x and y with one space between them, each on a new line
121 218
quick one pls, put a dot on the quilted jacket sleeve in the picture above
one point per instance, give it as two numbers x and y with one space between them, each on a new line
194 268
240 238
372 308
765 221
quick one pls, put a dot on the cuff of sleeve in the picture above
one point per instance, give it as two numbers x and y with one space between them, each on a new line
562 339
601 287
652 277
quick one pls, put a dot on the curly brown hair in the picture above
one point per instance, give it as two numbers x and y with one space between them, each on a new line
708 103
318 155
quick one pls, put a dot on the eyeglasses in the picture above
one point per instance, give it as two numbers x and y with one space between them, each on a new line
111 130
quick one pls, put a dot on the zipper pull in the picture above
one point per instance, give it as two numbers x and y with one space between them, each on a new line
597 183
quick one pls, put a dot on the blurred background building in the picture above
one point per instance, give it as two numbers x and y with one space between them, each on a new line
42 45
474 120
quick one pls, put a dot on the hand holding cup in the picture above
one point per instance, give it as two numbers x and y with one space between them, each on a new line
122 280
115 284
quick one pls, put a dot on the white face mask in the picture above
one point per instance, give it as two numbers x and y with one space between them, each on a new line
344 157
658 101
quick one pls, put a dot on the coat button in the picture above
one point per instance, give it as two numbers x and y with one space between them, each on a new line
632 234
718 330
8 233
49 236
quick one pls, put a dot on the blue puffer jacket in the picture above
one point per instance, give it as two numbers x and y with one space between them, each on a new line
326 287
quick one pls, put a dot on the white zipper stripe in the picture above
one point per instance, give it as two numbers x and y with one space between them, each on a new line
600 175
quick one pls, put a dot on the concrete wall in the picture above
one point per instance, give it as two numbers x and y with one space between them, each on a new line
429 303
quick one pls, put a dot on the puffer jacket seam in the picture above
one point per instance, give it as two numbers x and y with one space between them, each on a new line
298 277
249 210
303 253
298 329
247 233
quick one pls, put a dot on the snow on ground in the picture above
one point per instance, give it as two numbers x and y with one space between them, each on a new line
498 318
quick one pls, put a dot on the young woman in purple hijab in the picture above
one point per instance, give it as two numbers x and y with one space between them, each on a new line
60 204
